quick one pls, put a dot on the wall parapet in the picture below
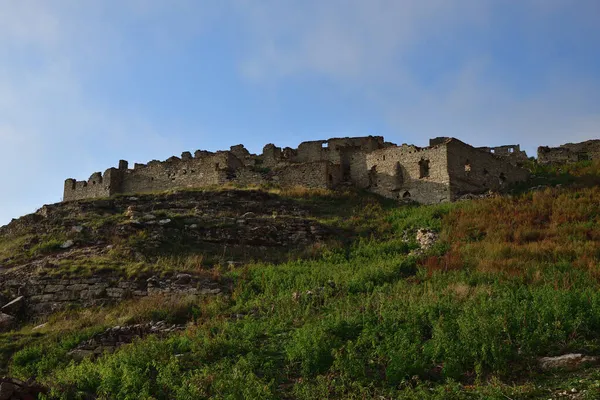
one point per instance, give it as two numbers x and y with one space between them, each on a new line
405 171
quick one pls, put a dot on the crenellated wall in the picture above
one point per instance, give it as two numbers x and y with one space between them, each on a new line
427 175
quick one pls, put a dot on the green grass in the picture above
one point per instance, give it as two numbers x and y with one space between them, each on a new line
513 279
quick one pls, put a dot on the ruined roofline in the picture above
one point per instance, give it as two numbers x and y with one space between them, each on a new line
569 145
98 177
328 141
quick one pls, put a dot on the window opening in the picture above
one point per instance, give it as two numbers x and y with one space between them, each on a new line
423 168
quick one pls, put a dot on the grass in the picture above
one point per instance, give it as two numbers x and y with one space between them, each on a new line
513 279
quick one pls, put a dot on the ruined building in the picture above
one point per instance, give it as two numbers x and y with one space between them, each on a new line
569 153
443 171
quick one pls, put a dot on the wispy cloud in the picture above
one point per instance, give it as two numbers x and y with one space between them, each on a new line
74 77
380 48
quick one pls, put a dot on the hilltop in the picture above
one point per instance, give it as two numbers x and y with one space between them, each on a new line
305 294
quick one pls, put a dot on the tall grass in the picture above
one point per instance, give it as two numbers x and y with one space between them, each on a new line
513 279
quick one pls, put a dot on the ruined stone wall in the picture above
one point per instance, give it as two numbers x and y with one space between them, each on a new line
311 151
242 154
409 172
98 185
187 172
512 153
318 175
403 172
569 153
44 295
473 170
336 151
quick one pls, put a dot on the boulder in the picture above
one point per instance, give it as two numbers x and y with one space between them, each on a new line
566 362
6 322
69 243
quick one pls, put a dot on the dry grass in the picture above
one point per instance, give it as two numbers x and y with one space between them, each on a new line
514 235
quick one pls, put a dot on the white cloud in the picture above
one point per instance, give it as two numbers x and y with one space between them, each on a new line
368 45
50 129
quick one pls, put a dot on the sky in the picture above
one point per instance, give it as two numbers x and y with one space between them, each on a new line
85 83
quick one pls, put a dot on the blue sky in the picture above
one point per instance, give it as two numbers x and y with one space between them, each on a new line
86 83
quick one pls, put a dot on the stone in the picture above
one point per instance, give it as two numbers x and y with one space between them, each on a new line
67 244
6 390
426 238
15 306
77 229
567 362
148 217
249 214
421 174
130 212
54 288
164 221
6 322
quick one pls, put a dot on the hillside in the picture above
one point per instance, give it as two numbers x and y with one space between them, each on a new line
299 294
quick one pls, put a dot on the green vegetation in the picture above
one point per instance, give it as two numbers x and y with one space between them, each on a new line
512 279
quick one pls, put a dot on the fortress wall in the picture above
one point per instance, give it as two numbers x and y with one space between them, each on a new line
440 172
358 170
98 185
271 155
474 170
242 154
311 151
332 150
512 153
205 170
569 153
409 172
251 177
319 175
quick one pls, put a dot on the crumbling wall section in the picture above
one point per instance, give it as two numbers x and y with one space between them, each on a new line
409 173
569 153
242 154
473 170
512 153
44 295
98 185
316 175
204 169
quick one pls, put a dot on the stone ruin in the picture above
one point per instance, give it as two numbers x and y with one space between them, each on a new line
444 171
570 152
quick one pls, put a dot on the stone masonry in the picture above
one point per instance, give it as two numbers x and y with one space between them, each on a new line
570 152
44 295
443 171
